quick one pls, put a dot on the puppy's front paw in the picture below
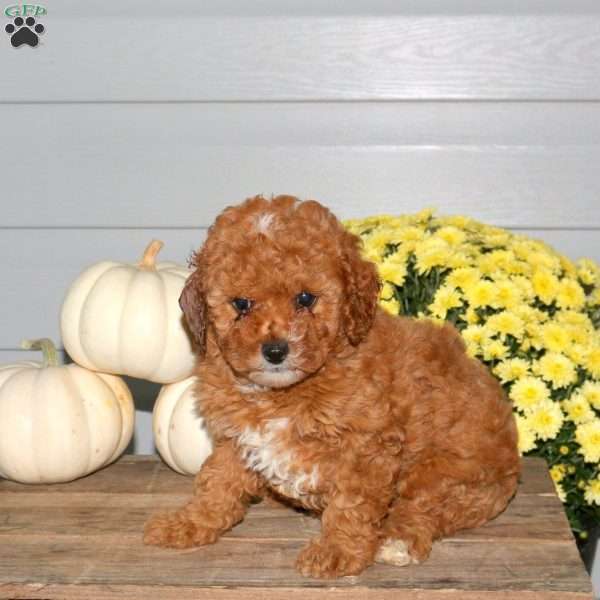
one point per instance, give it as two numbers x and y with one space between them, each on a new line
177 531
325 560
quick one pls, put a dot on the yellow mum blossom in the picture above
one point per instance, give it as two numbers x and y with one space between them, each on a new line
506 323
545 285
591 392
554 337
557 369
592 492
546 419
471 317
528 392
391 306
424 215
451 235
430 253
464 278
588 437
570 294
445 299
458 260
527 436
498 260
387 291
392 271
508 295
460 221
511 369
587 271
560 492
524 286
592 363
578 353
573 317
493 350
483 293
558 473
577 409
476 334
379 239
543 260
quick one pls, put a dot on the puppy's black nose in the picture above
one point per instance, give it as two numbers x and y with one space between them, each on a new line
275 352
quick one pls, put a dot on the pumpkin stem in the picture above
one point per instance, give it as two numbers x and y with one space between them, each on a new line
149 259
48 350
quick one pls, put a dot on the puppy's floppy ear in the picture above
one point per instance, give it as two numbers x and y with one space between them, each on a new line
193 304
362 290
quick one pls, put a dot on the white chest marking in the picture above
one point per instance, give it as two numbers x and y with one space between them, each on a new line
263 452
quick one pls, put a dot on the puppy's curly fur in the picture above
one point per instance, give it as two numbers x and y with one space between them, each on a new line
382 424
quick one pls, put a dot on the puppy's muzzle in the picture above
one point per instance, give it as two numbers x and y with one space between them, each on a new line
275 352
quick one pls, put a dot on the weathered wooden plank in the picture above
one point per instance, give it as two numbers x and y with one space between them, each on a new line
184 592
54 539
94 514
143 474
270 563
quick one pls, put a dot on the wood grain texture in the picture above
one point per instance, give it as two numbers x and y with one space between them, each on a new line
65 540
179 165
213 55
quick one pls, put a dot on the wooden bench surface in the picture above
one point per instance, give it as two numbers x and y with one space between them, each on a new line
83 540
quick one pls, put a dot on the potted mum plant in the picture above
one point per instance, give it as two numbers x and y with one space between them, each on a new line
531 315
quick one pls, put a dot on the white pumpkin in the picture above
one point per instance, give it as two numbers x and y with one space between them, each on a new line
180 434
125 319
58 423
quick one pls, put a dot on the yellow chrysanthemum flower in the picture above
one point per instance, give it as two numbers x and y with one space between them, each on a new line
528 392
392 271
527 437
560 492
483 293
506 323
430 253
511 369
391 306
557 369
546 419
464 278
451 235
577 409
386 292
570 294
445 299
545 285
524 286
592 363
497 261
588 438
591 392
587 271
554 337
493 350
508 295
592 492
558 473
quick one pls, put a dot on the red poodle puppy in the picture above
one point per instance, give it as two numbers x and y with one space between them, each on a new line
381 424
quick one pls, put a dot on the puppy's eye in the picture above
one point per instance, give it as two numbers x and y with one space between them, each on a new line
305 300
242 305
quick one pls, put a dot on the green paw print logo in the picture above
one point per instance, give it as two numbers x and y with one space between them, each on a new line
24 29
